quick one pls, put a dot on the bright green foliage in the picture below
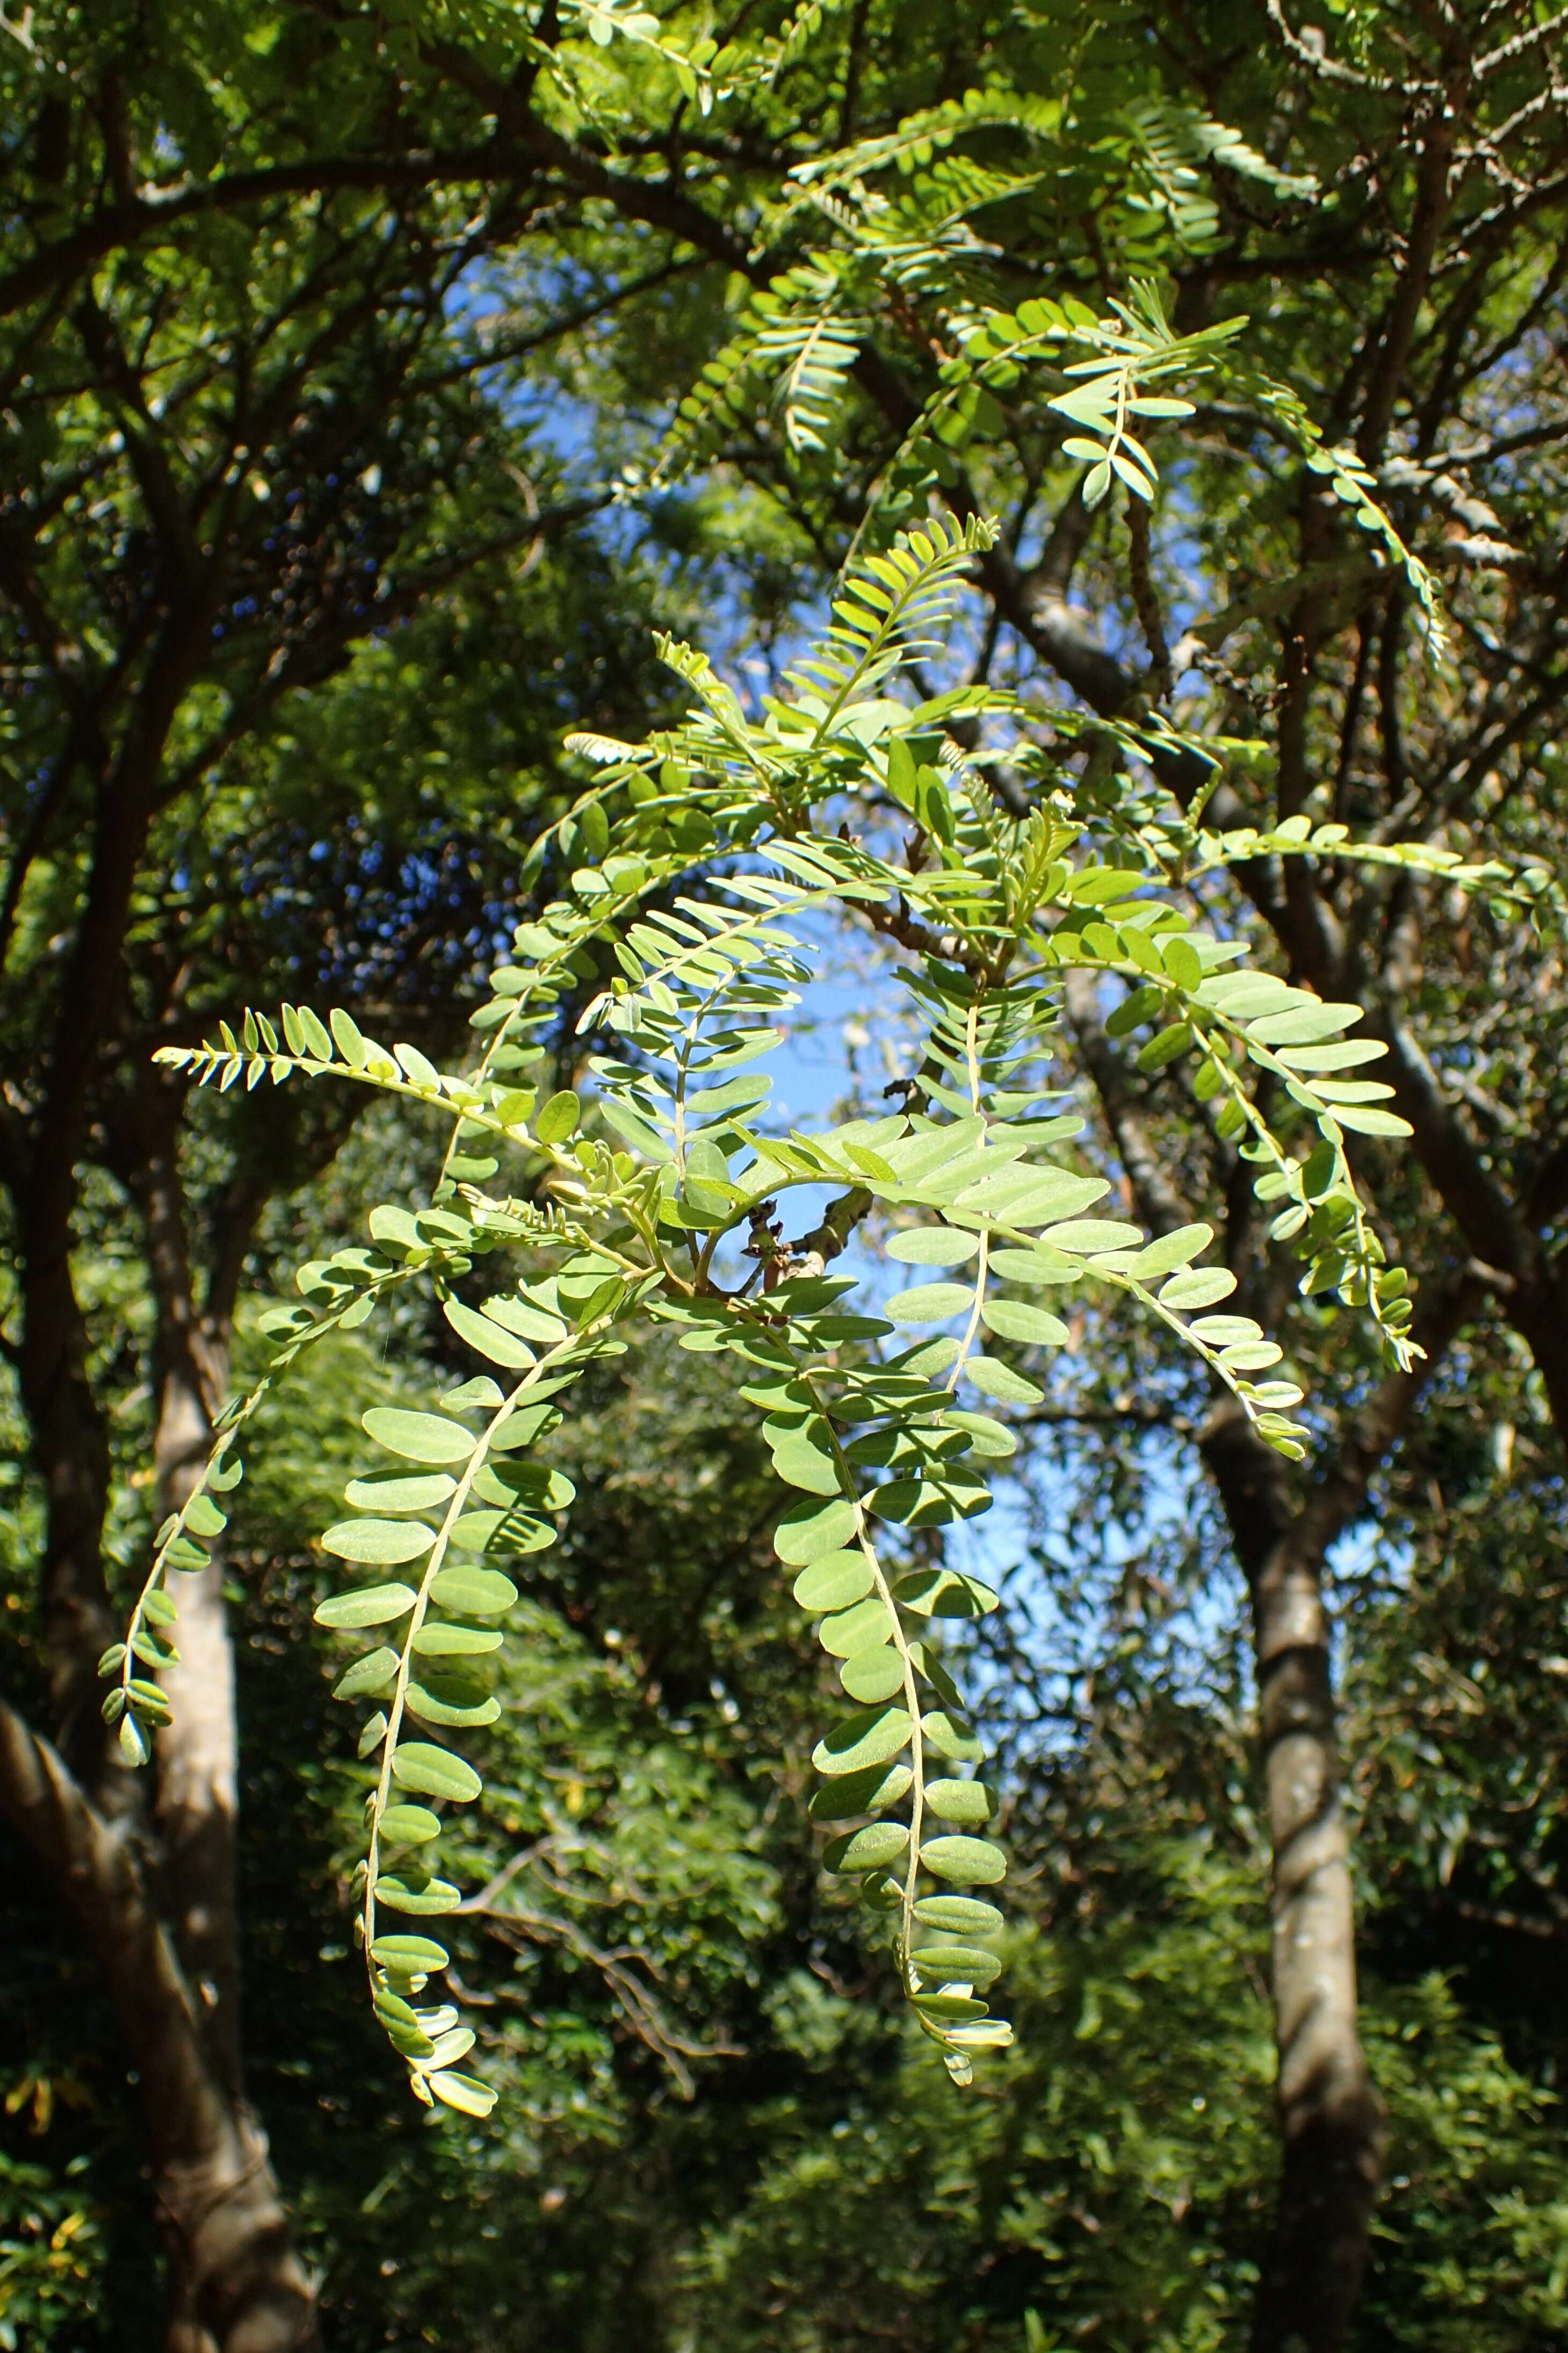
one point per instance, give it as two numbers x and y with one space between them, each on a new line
659 1217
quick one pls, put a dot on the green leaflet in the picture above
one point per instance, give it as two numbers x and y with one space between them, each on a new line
873 1673
955 1965
391 1493
986 1437
490 1338
418 1437
1199 1289
1171 1250
834 1581
962 1916
810 1530
408 1826
559 1118
933 1246
436 1641
374 1607
409 1955
434 1772
961 1801
944 1593
857 1629
384 1542
865 1792
877 1844
1012 1319
1002 1382
1304 1027
373 1673
464 2093
931 1302
1090 1234
873 1737
429 1895
967 1862
948 1736
434 1707
477 1592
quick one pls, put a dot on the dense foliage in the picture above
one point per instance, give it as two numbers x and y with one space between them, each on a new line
372 381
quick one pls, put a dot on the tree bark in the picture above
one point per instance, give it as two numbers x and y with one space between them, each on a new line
198 1759
1331 2117
244 2289
198 1751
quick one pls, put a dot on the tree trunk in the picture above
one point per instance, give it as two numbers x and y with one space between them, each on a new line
242 2287
1331 2118
197 1755
70 1447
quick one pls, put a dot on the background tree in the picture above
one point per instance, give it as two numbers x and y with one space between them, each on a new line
1441 167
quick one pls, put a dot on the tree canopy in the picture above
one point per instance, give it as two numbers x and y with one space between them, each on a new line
543 529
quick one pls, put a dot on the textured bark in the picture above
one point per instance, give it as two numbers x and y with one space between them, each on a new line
1331 2118
242 2288
70 1448
197 1753
198 1760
